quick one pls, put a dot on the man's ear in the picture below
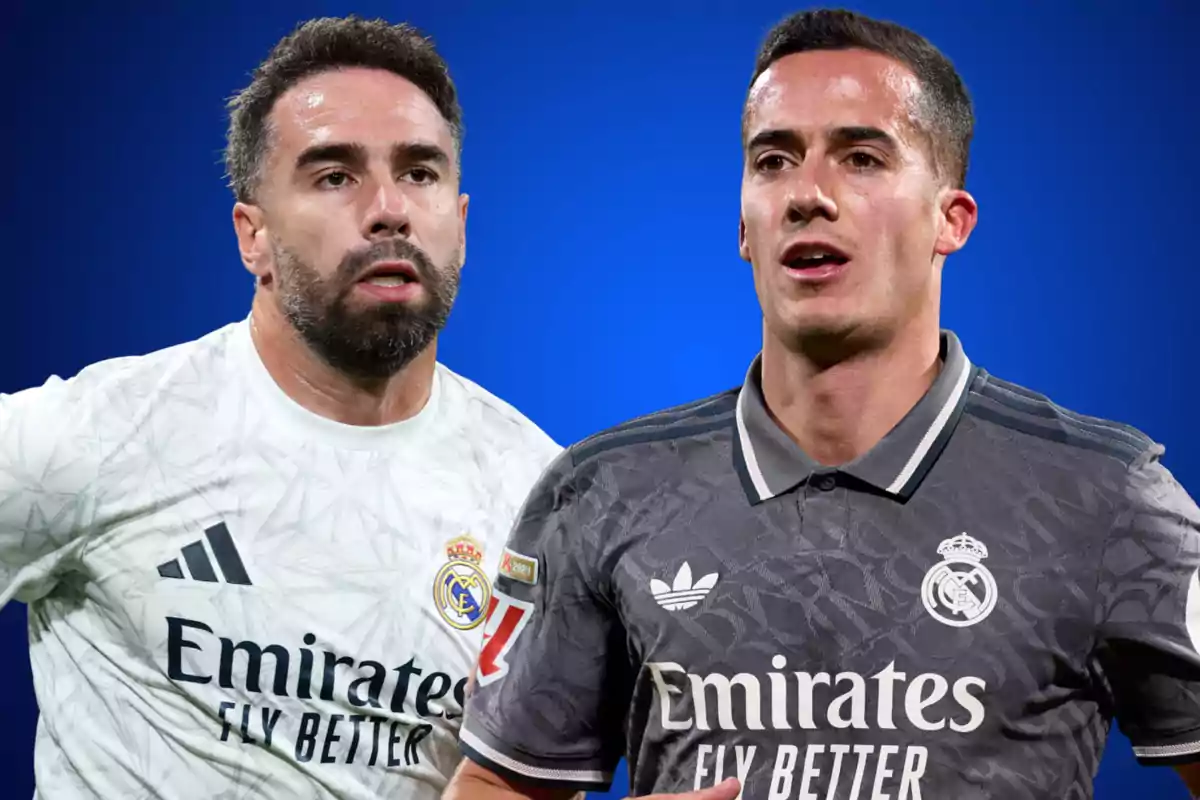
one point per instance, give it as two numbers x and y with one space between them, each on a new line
743 248
959 213
250 227
464 200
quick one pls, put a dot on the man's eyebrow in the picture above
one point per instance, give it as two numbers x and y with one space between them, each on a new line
842 136
355 155
775 137
352 154
408 152
856 134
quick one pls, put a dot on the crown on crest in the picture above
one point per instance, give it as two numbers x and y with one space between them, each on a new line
963 546
463 549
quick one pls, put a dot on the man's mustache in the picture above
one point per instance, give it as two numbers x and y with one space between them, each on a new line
396 249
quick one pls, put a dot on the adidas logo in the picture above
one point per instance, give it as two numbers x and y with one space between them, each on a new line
200 566
682 593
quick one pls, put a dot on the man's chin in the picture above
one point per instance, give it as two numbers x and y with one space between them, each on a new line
828 336
816 324
373 358
370 345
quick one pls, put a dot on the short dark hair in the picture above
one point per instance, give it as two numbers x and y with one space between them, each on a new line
946 106
319 45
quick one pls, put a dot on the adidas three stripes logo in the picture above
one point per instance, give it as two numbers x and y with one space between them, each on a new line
200 567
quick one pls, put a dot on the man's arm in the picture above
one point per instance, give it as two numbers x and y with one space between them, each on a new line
1191 778
548 705
473 782
545 717
1148 642
45 467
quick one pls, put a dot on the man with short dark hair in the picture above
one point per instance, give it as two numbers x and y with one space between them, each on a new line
257 563
873 570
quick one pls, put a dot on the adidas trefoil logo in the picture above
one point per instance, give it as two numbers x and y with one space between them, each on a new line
200 566
682 593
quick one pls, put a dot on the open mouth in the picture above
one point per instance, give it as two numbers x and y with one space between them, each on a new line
392 273
813 257
390 282
394 279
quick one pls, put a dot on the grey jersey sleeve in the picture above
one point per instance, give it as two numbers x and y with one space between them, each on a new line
1149 615
551 686
44 467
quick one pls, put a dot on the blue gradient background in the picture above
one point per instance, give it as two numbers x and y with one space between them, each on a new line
603 161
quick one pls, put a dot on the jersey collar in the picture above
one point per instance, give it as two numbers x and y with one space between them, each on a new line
770 463
307 426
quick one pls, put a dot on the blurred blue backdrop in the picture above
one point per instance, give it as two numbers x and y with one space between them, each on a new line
603 161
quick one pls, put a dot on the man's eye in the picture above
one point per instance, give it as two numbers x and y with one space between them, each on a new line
861 160
334 179
422 175
771 163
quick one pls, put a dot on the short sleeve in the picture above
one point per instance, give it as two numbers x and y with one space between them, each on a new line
45 465
1149 615
551 688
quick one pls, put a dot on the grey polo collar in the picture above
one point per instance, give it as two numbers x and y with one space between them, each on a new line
770 463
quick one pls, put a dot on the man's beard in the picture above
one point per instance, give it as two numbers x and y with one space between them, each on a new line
369 343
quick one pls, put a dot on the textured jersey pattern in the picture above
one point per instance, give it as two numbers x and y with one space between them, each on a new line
232 598
974 640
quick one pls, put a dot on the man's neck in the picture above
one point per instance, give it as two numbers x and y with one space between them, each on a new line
310 381
838 409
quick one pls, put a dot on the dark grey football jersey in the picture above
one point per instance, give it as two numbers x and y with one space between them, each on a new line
959 613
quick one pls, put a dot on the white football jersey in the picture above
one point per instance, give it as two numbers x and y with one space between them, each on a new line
231 597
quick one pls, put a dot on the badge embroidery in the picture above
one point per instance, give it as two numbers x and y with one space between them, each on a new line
518 567
959 591
461 590
506 618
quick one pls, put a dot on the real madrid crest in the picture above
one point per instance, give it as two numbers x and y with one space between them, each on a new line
959 591
461 590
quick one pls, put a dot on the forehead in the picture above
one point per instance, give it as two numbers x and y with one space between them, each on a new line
833 88
372 107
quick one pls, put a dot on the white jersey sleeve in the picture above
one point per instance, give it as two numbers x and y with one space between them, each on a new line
48 462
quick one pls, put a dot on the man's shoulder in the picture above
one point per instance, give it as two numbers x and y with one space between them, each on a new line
61 431
1031 419
661 432
124 381
492 422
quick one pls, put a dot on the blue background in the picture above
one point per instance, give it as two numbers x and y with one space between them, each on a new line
603 160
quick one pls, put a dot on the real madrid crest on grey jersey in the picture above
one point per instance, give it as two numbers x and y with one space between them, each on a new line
959 590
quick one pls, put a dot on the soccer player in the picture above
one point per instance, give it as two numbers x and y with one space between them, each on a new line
873 570
256 564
